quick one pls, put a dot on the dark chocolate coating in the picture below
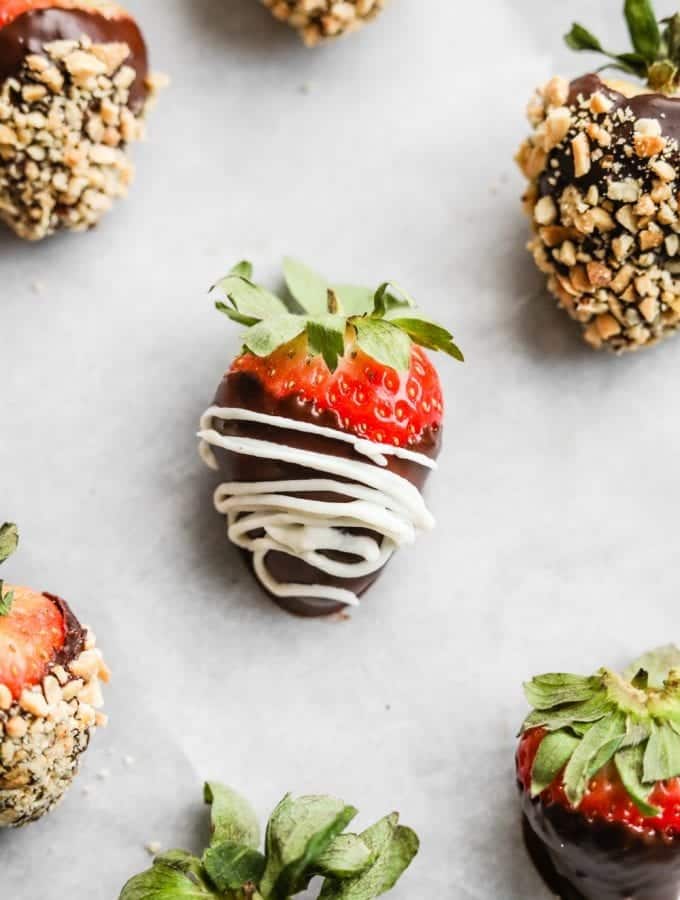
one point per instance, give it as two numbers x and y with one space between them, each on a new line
29 32
74 640
582 859
242 390
644 106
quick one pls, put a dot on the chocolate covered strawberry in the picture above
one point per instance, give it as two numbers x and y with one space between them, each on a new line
74 87
326 425
598 766
603 163
317 21
50 671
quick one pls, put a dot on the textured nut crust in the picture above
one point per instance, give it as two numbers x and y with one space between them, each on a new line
43 734
64 127
319 20
603 199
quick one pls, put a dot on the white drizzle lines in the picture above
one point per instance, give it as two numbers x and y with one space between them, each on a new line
376 452
380 500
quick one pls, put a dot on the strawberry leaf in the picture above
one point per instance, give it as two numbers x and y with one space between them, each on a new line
653 668
643 28
384 342
235 315
355 301
592 710
594 751
346 857
248 298
579 38
326 336
554 753
299 831
308 287
267 336
394 848
231 816
297 874
427 334
629 763
671 37
386 299
230 866
547 691
244 269
655 56
174 876
6 601
382 330
9 540
662 755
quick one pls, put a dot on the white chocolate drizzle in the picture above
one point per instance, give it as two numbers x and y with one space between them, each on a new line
263 516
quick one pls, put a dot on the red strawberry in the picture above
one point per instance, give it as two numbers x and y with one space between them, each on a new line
598 765
370 399
32 628
364 363
606 797
341 361
31 636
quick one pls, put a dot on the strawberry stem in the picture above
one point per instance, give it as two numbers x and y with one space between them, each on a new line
334 307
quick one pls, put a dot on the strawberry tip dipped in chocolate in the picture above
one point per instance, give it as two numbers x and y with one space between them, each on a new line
318 21
326 425
50 673
598 768
74 90
603 163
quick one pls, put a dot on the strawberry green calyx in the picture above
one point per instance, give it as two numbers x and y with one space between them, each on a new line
630 720
656 46
9 540
384 323
306 838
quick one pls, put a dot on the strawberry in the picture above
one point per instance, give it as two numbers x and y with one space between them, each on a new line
50 671
31 636
370 399
330 381
73 39
603 165
32 628
345 351
598 764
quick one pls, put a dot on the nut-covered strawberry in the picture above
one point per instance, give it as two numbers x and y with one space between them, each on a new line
598 767
50 671
317 21
327 425
603 163
74 88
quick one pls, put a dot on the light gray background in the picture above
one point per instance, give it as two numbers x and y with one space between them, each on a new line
388 155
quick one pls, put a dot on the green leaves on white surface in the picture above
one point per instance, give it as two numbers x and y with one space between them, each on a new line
305 837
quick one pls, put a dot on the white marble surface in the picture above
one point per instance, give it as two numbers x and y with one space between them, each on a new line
386 156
